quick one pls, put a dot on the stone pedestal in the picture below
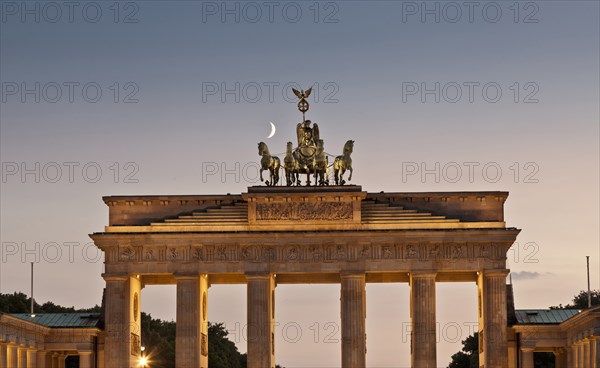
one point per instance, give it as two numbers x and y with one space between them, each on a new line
123 321
422 314
261 314
353 315
192 321
493 347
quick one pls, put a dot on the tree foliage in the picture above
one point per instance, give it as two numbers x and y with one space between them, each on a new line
469 356
580 301
21 303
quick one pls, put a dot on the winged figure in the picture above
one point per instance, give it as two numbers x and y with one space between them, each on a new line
307 136
301 94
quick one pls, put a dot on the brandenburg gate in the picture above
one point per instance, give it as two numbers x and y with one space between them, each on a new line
303 235
296 234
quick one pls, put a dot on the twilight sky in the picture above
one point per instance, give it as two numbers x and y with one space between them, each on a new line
146 97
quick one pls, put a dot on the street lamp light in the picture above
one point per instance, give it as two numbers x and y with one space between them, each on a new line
143 361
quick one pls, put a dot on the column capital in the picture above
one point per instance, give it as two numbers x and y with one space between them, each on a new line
85 352
186 276
258 275
495 273
352 275
115 276
527 349
423 274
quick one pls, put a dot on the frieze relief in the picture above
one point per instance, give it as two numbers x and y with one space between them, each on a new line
328 252
304 211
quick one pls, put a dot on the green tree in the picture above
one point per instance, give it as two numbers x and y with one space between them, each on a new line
469 356
222 352
580 301
21 303
158 338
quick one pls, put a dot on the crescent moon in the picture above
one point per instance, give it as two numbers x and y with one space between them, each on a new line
273 130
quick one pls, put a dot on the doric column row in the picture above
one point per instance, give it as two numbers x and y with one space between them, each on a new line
584 353
18 356
123 330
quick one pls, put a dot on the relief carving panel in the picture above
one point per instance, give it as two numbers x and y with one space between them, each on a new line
294 211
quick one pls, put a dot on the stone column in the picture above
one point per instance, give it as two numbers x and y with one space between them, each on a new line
54 360
353 315
422 316
261 314
580 354
62 357
3 355
86 359
595 352
191 345
586 353
559 358
12 359
43 359
22 356
32 358
572 355
493 347
526 357
123 320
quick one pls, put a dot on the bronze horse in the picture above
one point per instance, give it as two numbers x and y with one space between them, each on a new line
320 165
291 166
343 163
270 163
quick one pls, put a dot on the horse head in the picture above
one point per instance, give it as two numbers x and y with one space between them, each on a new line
320 146
262 148
349 147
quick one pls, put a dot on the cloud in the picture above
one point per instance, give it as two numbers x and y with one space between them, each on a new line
526 275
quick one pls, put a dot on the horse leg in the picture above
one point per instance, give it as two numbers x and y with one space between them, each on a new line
342 181
261 176
350 177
